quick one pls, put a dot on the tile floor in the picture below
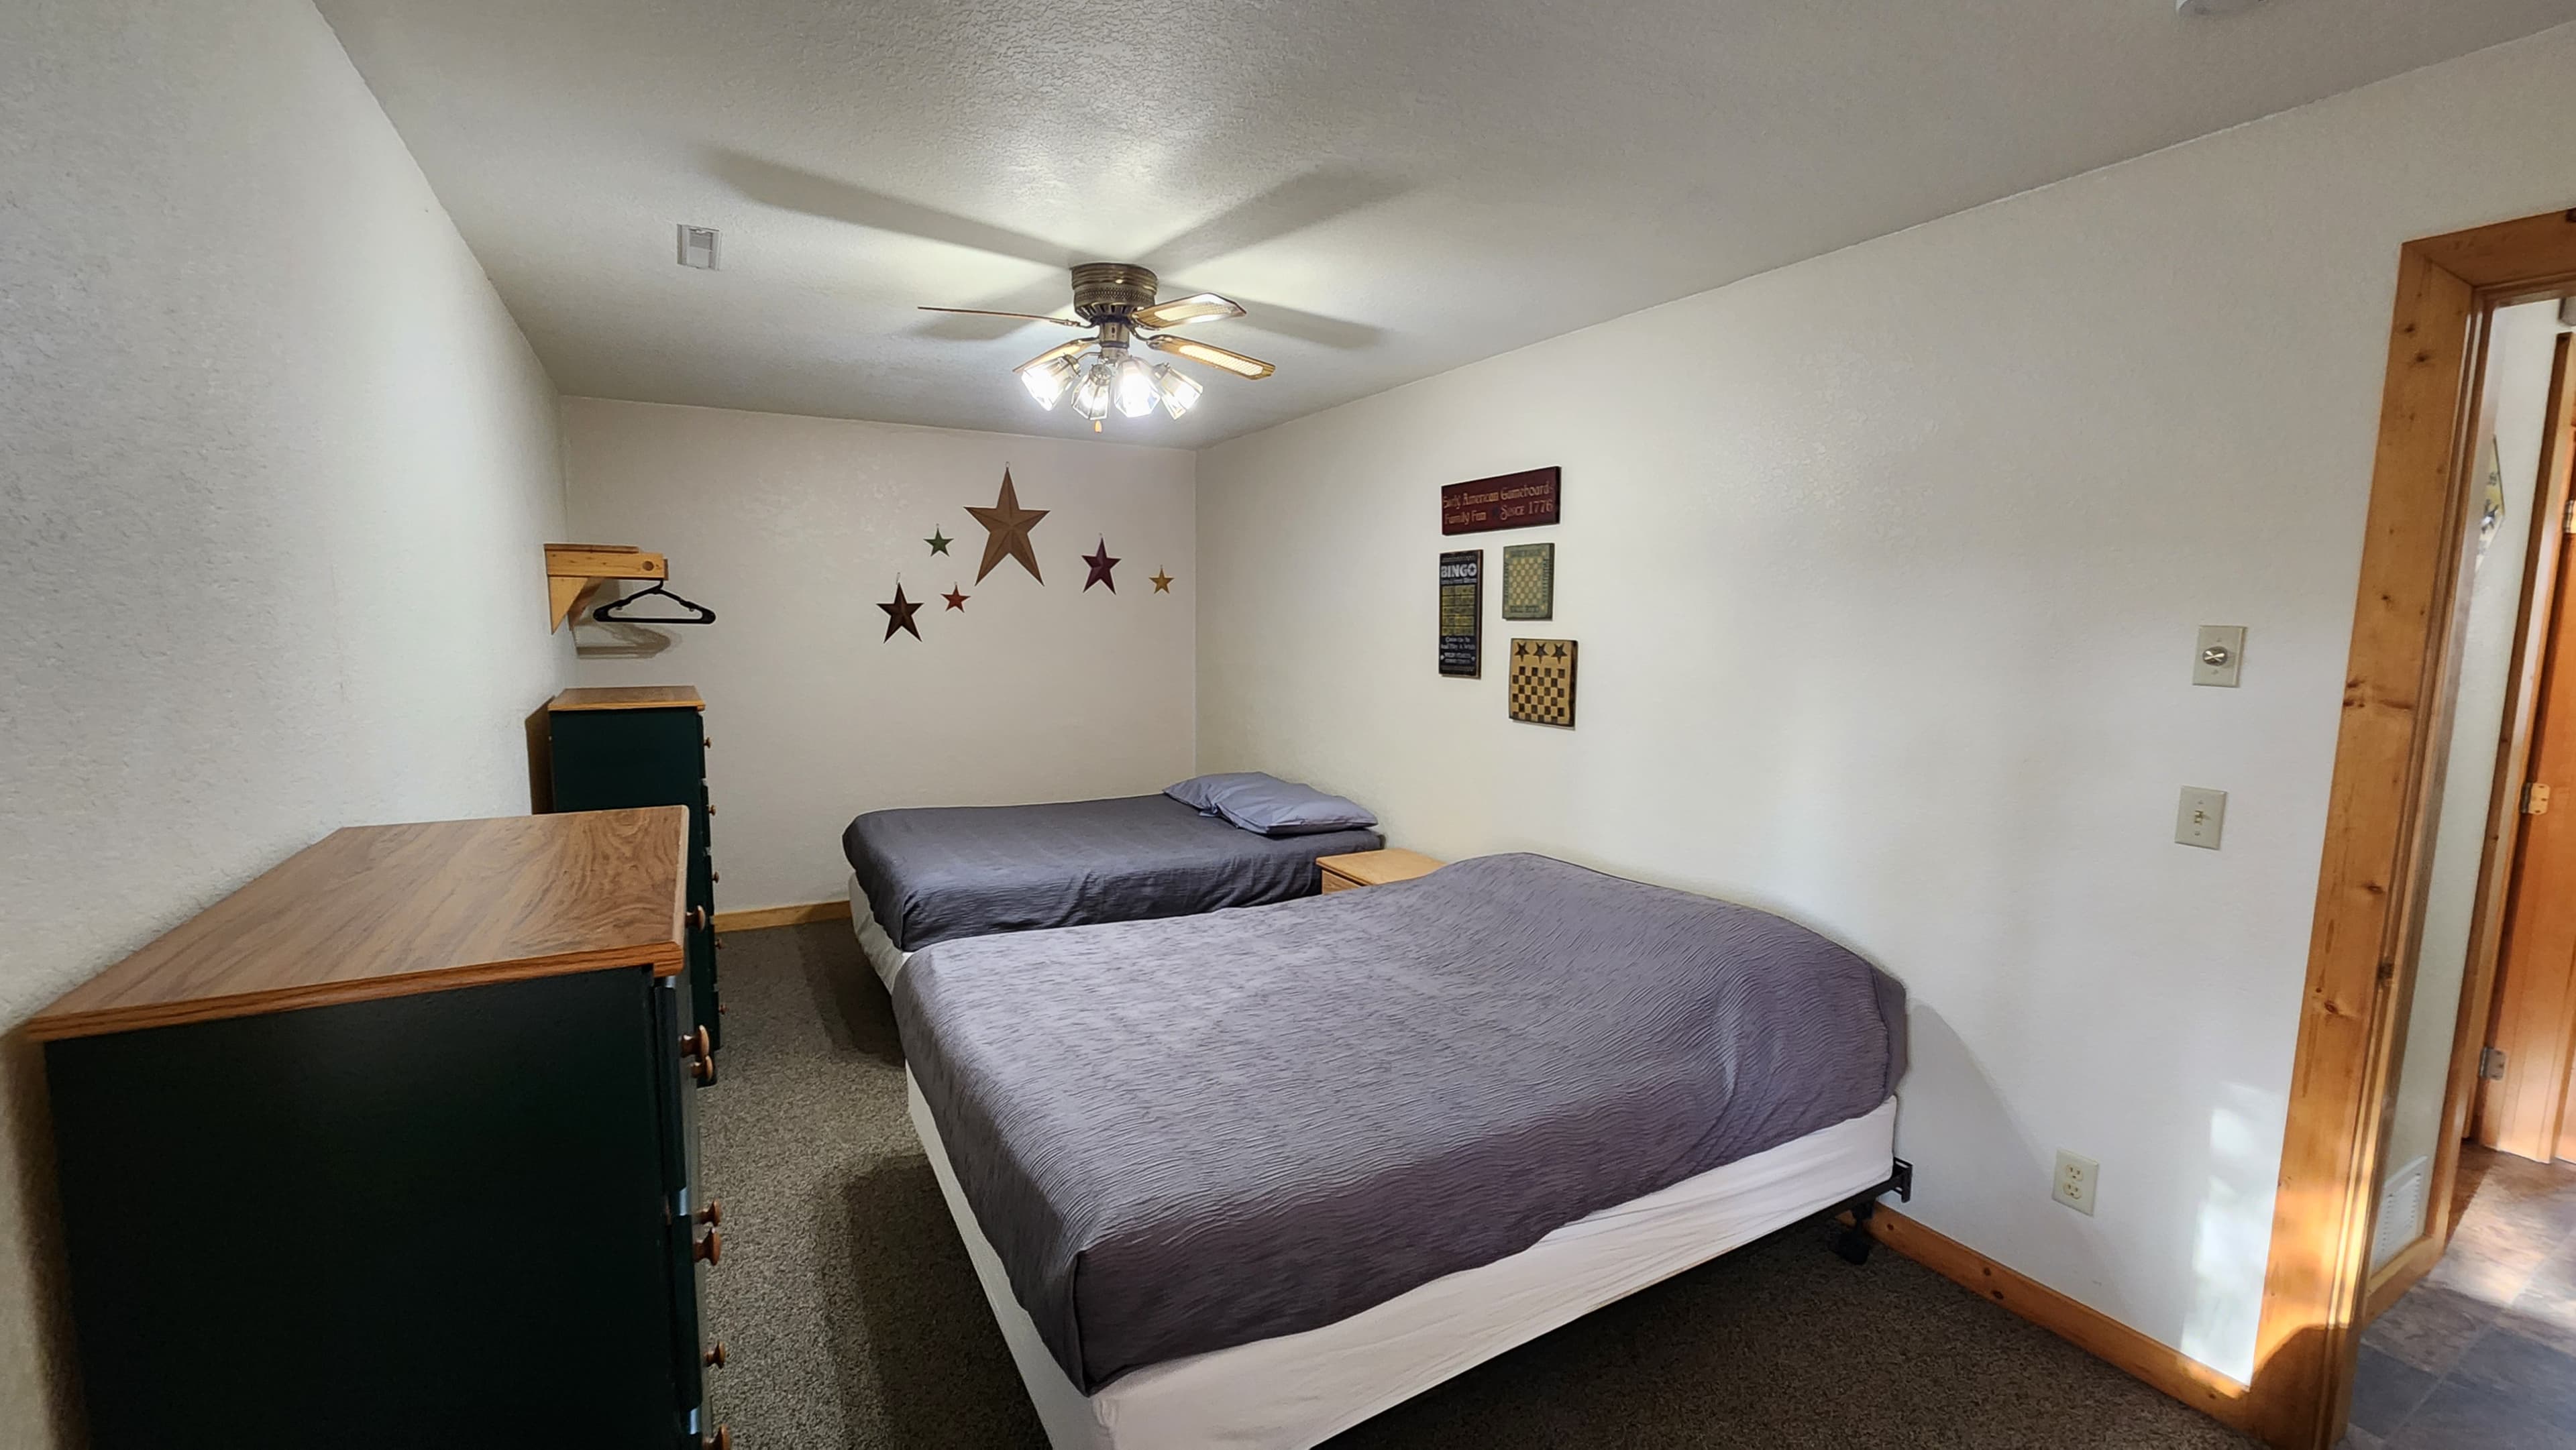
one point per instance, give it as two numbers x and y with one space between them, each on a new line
2483 1352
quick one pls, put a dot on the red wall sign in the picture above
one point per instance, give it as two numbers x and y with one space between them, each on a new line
1510 501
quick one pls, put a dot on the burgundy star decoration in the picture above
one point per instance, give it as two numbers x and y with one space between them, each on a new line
1101 564
899 614
955 599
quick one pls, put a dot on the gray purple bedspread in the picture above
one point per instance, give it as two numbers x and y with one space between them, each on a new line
1190 1134
957 871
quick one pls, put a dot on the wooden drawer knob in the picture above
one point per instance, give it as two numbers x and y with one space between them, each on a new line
711 808
711 1248
706 742
719 1438
700 1050
698 918
716 1357
713 1213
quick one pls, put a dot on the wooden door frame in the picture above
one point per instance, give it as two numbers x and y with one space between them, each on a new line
2396 684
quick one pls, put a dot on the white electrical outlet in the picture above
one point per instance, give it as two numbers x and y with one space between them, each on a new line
2074 1183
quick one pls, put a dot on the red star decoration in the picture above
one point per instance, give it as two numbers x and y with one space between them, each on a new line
1101 564
955 599
899 615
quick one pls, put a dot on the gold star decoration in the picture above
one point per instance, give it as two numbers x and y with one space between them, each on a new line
1162 582
1006 531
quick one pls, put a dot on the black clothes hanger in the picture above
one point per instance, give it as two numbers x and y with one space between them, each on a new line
698 613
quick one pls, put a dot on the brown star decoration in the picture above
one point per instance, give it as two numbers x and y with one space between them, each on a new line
899 614
955 599
1006 532
1162 581
1101 564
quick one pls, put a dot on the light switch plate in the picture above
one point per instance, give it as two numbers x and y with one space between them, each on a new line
2202 816
2225 645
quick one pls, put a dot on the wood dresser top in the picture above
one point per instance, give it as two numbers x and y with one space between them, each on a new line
630 697
386 911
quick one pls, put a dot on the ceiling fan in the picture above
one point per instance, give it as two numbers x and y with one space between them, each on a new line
1115 307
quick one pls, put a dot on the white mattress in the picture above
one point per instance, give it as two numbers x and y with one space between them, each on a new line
882 954
1298 1390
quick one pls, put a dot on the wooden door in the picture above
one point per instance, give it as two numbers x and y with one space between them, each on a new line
2534 1025
2567 1117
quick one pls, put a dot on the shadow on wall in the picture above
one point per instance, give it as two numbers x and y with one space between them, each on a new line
612 640
1945 1072
30 1144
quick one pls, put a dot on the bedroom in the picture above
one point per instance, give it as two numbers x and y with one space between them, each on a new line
1902 452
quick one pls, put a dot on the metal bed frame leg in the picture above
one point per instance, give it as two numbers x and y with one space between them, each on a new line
1852 1241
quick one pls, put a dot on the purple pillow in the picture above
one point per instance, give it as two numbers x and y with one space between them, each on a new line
1273 807
1199 792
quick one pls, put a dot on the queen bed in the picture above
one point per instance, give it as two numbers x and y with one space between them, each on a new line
1245 1179
923 876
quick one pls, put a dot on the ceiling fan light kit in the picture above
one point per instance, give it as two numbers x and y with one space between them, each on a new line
1115 302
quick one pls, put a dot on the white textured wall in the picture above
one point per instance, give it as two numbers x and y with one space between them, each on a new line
274 470
793 529
1885 568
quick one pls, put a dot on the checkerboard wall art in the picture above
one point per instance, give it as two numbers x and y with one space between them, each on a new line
1542 688
1529 581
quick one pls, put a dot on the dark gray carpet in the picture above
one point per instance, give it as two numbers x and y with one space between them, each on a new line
852 1317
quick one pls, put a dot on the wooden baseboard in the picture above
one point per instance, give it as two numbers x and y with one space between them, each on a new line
2399 1275
760 916
2089 1329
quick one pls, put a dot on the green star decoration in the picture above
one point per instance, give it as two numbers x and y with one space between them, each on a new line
938 542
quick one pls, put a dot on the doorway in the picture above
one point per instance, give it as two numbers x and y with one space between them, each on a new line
2470 1319
2382 930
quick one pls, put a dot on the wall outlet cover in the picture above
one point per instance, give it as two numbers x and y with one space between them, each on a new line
2201 817
2218 656
2075 1181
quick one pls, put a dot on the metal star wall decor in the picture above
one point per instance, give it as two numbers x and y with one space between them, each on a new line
1101 564
938 542
899 614
1162 581
955 599
1006 532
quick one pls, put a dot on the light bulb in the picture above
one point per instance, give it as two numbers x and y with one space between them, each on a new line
1180 391
1091 395
1133 386
1047 381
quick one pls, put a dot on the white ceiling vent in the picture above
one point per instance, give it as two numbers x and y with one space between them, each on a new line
698 247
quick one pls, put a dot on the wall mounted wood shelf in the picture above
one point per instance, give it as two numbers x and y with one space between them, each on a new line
575 571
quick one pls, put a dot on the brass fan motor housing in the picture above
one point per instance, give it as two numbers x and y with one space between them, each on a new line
1111 291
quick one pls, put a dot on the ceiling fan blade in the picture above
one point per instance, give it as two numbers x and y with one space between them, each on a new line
1025 316
1061 349
1181 311
1214 356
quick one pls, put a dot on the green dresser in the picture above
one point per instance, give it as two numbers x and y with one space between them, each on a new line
646 745
394 1147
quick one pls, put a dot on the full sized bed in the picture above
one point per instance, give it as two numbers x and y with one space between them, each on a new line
1245 1179
923 876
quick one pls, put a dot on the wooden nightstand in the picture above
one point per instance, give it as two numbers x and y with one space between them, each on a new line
1374 868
